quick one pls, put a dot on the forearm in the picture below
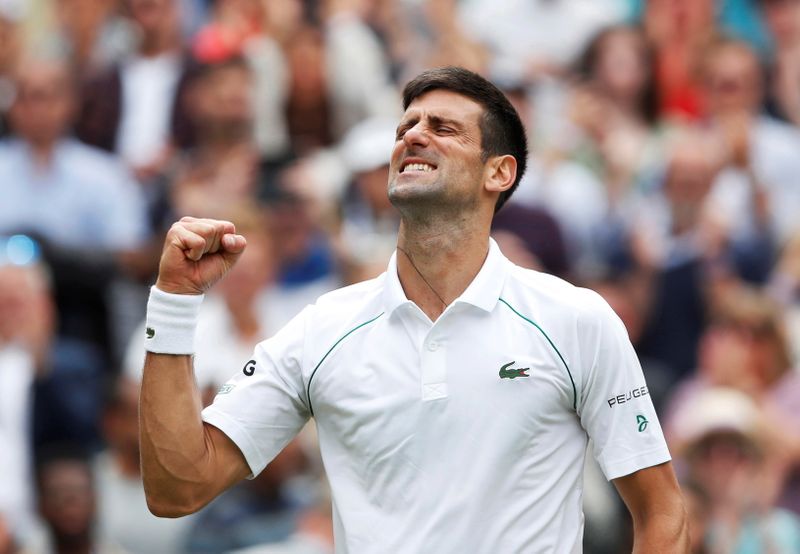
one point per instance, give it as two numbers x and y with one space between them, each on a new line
666 532
174 446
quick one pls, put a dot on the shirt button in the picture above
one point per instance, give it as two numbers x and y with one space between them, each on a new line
433 346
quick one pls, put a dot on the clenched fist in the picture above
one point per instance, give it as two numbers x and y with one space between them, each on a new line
198 253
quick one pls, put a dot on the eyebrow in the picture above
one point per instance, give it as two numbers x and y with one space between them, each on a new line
433 119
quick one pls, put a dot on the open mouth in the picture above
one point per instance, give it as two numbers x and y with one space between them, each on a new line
417 166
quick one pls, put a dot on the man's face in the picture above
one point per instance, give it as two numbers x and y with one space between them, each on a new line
783 19
67 498
733 81
436 161
43 107
223 98
152 15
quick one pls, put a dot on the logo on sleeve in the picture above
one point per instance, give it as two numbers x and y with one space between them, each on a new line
225 389
249 368
642 421
150 332
507 372
628 396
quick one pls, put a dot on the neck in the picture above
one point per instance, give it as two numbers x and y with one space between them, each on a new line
436 263
155 44
73 544
42 152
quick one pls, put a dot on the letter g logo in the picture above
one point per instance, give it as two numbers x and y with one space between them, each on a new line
249 368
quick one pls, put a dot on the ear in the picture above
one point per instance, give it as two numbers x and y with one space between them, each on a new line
501 171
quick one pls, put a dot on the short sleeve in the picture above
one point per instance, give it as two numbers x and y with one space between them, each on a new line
615 406
262 407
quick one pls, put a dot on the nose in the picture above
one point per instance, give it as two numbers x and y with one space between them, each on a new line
416 136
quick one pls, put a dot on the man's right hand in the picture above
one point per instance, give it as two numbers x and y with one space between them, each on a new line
198 253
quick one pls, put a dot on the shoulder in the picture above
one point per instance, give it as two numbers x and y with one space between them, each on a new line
544 292
340 311
352 295
95 166
93 157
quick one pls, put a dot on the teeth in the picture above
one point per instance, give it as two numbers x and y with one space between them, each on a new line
418 167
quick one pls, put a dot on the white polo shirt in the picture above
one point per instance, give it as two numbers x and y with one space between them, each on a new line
463 435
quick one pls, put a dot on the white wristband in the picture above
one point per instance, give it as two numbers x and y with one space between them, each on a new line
171 322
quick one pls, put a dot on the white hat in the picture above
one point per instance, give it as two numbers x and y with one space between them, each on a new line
717 410
368 145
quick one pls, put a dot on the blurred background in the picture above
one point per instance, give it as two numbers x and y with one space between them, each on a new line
664 173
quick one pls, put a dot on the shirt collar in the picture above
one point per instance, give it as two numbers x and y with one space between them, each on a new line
483 292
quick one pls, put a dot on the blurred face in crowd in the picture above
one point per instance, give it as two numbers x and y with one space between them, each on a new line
733 79
726 463
621 68
66 498
783 19
43 109
154 15
437 159
678 19
26 307
222 100
690 174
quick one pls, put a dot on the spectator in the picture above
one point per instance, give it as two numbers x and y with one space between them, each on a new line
722 438
79 201
680 30
756 193
26 327
615 108
526 39
676 249
221 169
746 348
531 238
72 195
9 50
783 86
356 67
132 108
369 221
93 33
67 505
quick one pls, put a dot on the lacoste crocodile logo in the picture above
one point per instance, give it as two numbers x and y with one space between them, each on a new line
150 332
512 373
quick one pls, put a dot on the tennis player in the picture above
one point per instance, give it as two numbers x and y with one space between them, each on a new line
454 395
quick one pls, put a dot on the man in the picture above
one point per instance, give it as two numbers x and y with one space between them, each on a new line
453 395
133 107
72 195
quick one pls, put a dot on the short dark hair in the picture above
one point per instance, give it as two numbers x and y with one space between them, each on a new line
502 131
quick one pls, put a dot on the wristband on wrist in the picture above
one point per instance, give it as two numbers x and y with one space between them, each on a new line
171 322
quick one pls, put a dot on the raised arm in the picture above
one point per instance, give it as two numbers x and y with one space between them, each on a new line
185 462
654 500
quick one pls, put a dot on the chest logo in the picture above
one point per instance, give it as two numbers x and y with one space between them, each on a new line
507 372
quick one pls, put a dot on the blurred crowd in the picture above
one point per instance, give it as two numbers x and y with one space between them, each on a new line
665 174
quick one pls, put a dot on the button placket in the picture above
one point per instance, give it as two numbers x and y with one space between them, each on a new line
434 370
